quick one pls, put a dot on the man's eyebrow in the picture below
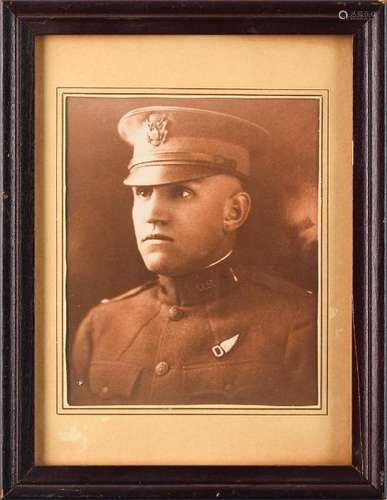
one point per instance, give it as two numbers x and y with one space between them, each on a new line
192 181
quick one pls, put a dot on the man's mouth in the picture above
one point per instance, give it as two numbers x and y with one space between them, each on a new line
156 236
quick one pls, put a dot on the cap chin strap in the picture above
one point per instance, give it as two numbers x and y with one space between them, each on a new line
183 158
220 260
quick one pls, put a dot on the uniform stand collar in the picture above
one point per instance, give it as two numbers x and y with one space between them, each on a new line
203 285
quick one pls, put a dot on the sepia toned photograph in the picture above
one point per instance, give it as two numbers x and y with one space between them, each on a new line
192 242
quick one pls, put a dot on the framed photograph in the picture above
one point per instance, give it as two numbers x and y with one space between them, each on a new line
193 249
212 272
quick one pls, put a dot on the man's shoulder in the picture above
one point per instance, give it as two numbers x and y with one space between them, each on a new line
276 294
136 306
276 284
279 302
137 292
139 299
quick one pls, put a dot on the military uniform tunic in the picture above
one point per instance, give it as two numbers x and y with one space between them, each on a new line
162 343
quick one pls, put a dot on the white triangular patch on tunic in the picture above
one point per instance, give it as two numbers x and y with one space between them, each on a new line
228 344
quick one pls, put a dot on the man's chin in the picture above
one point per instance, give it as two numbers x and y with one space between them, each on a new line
160 264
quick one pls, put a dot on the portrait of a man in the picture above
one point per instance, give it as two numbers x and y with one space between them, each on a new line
207 327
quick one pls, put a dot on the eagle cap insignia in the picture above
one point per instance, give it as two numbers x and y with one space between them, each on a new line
156 129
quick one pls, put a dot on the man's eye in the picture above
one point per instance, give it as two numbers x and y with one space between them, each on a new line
183 192
143 192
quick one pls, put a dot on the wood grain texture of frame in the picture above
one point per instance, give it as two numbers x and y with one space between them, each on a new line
21 22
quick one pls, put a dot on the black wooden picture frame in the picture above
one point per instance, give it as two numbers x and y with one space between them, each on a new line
21 22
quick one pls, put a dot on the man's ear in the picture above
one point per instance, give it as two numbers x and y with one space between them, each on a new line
236 211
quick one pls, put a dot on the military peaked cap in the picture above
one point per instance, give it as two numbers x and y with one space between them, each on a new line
173 144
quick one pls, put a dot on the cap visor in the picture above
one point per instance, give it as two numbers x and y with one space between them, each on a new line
154 175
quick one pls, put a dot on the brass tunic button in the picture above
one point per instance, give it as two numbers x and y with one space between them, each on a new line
175 313
161 368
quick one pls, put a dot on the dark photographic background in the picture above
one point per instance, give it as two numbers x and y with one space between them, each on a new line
280 235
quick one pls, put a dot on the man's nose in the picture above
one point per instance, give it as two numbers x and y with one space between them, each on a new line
158 212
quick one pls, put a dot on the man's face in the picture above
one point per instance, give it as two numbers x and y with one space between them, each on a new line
180 227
